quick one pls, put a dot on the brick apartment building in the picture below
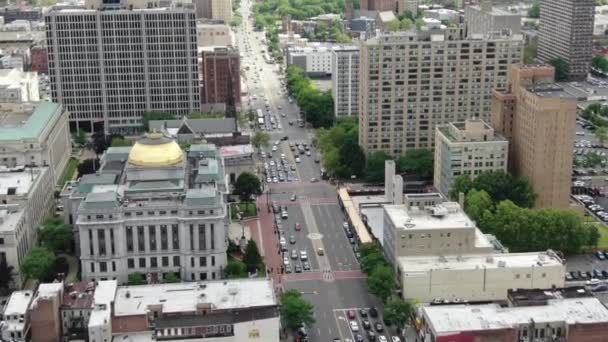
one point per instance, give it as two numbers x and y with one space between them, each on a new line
40 59
220 74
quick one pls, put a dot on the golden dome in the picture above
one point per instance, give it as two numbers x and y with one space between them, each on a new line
155 150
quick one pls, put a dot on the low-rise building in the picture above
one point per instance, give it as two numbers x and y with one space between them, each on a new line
224 311
27 200
35 134
314 58
187 131
479 277
237 159
559 317
76 309
467 148
363 25
44 313
40 59
100 321
442 14
15 325
17 86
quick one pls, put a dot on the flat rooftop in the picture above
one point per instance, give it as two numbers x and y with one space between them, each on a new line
17 183
550 90
27 123
18 303
412 264
446 319
184 297
447 215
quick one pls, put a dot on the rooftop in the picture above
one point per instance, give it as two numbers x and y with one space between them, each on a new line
446 319
416 264
235 151
184 297
16 183
205 126
78 296
18 303
447 215
550 90
27 124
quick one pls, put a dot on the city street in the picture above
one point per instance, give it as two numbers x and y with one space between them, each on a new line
334 283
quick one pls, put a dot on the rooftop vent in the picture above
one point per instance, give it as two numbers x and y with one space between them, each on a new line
489 259
233 290
502 263
439 211
128 294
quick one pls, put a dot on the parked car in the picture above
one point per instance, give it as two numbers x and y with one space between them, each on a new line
600 255
354 326
351 314
366 324
378 326
373 312
298 227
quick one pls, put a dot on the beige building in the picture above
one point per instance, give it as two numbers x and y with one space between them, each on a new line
538 118
17 86
417 80
481 277
35 134
27 200
485 18
210 34
467 148
431 229
214 9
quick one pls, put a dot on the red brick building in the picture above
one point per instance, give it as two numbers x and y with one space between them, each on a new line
40 59
44 313
220 74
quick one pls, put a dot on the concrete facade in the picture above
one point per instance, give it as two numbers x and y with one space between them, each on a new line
467 148
208 35
345 80
315 59
214 9
484 18
17 86
538 118
116 69
566 32
35 134
417 80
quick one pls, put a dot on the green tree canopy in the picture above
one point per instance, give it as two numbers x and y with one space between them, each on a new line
417 161
247 184
601 133
38 264
600 62
236 269
371 261
562 69
171 277
381 282
530 52
252 257
534 11
149 116
499 185
120 142
407 24
295 310
136 278
398 311
393 25
342 156
352 158
374 170
56 235
477 202
80 138
260 139
316 104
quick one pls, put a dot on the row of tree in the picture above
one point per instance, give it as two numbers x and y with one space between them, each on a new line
501 205
317 105
138 278
332 32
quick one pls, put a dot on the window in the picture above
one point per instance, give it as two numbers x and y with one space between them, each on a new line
212 236
153 262
203 261
213 260
130 263
176 260
92 267
175 236
142 262
152 233
517 276
165 261
163 237
113 266
129 239
1 241
191 262
202 238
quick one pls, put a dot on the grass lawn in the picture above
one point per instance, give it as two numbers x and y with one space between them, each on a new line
603 243
68 173
248 209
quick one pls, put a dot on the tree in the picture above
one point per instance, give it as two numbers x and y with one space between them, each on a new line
136 278
534 11
462 184
260 139
247 184
419 22
393 25
417 161
368 248
56 235
236 269
371 261
80 138
149 116
600 62
252 257
477 202
381 282
593 236
530 52
374 171
499 185
88 166
295 310
352 157
601 133
407 24
170 277
38 264
6 277
100 142
398 311
562 69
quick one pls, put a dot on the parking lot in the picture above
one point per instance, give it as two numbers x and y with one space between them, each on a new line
589 270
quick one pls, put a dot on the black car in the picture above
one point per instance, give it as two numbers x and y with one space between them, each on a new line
358 338
366 324
378 327
298 268
371 335
373 312
605 273
349 233
306 266
574 275
363 312
589 274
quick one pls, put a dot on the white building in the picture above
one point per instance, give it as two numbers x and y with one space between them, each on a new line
485 18
17 86
27 200
15 323
100 321
479 277
314 58
222 311
467 148
345 80
442 14
35 134
211 34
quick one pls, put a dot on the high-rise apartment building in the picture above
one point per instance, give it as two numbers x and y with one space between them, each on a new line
414 81
566 32
214 9
345 80
109 67
539 119
467 148
220 72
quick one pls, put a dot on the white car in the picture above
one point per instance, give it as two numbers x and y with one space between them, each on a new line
286 261
303 256
274 148
354 326
297 159
382 338
283 114
395 339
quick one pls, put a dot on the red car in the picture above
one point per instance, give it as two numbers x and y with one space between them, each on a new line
298 227
351 314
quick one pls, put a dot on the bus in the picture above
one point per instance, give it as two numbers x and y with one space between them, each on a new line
260 114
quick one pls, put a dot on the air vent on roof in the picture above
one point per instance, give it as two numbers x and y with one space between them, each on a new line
489 259
233 290
502 263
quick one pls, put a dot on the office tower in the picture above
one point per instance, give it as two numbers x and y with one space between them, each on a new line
220 71
109 67
484 18
539 119
566 32
345 80
414 81
153 209
214 9
468 147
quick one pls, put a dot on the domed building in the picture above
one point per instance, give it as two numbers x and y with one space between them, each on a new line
151 208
